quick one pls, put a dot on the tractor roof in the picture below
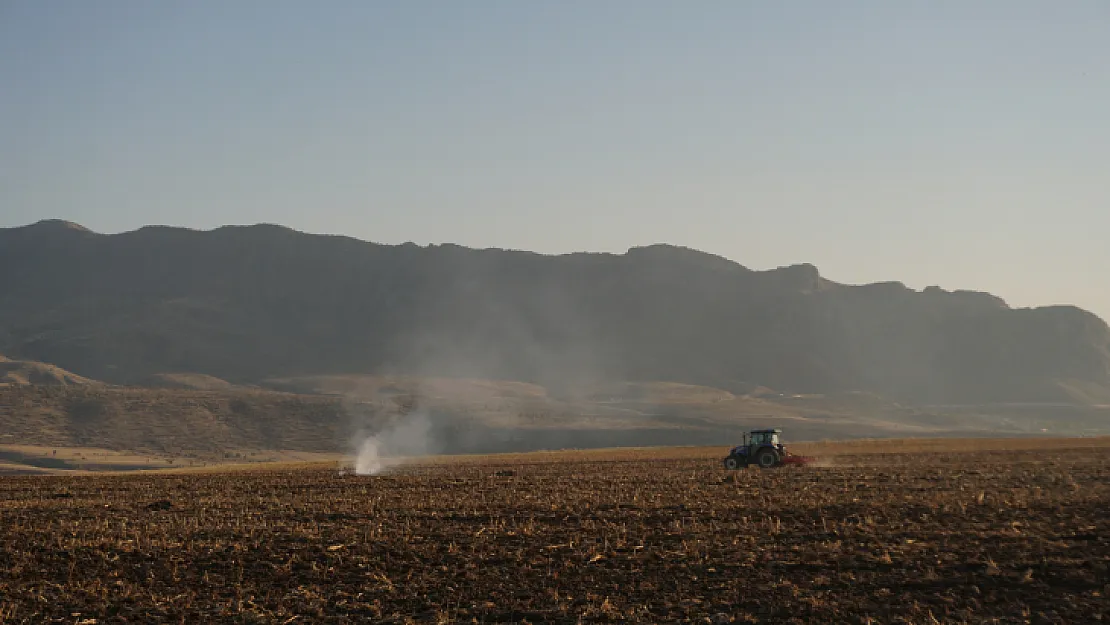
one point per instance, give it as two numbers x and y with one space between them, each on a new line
768 431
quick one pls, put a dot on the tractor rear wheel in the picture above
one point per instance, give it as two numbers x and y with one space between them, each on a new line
766 459
732 463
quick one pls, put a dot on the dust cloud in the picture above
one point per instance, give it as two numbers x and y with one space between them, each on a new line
484 320
516 316
404 438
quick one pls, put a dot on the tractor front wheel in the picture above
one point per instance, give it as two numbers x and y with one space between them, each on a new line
732 463
766 459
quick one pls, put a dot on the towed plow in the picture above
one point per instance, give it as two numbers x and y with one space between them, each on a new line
797 460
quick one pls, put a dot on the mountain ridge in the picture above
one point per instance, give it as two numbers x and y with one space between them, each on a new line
645 251
249 302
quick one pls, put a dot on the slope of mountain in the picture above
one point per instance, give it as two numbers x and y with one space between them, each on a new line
248 303
187 381
27 372
333 415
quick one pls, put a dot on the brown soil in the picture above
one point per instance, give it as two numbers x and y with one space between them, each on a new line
952 537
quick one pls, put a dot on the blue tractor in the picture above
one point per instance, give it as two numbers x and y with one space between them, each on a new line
763 449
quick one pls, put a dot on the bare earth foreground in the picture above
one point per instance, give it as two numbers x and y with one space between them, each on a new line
892 533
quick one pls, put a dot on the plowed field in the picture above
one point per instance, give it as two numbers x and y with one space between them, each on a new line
656 537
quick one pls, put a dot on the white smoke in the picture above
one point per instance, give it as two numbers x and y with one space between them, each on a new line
403 439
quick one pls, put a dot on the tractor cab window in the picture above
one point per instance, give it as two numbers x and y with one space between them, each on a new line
765 438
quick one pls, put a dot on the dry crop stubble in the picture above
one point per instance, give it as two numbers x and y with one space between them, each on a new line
640 536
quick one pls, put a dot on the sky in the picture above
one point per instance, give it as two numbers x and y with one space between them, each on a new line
958 143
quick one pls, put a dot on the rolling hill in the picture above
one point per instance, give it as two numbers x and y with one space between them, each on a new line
27 372
156 427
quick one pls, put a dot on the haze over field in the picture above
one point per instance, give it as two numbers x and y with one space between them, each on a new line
264 338
578 224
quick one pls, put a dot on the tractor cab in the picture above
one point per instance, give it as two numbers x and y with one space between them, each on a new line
755 439
765 437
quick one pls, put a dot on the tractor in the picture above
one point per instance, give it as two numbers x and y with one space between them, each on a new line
763 449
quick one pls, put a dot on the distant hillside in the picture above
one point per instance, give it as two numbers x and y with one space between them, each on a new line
244 304
461 416
169 422
26 372
193 381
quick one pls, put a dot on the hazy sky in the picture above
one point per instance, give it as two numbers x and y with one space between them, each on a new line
961 143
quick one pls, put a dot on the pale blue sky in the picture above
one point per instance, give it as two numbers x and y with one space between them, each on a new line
962 143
